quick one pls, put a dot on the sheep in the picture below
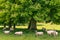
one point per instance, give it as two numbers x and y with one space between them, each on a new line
52 32
6 32
39 33
11 29
19 33
55 33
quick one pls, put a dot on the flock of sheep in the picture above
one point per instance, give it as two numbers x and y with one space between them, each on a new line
49 32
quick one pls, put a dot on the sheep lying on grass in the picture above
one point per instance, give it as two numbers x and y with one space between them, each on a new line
6 32
19 33
39 33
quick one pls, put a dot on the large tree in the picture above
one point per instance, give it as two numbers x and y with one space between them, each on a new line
13 12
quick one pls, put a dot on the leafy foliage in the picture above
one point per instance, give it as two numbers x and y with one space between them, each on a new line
21 11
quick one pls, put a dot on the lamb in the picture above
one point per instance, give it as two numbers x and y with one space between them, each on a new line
19 33
6 32
39 33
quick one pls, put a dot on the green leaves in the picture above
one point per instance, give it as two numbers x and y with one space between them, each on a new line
21 11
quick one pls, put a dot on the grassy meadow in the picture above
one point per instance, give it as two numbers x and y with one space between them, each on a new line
29 34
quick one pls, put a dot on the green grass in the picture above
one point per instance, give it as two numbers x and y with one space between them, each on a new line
29 34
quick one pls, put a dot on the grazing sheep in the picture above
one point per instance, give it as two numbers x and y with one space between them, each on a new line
39 33
55 33
52 32
6 32
19 33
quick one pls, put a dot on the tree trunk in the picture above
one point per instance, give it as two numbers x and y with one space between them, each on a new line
4 25
14 26
10 24
32 24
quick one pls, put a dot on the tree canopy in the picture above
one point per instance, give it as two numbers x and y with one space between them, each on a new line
22 11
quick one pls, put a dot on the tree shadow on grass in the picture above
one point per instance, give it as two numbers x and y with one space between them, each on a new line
19 29
25 31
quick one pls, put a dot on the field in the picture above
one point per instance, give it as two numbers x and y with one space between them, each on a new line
29 34
47 26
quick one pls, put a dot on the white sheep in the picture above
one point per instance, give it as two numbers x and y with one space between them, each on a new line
11 29
55 33
39 33
50 32
6 32
19 33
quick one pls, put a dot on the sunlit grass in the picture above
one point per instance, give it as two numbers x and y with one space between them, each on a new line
49 26
40 25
